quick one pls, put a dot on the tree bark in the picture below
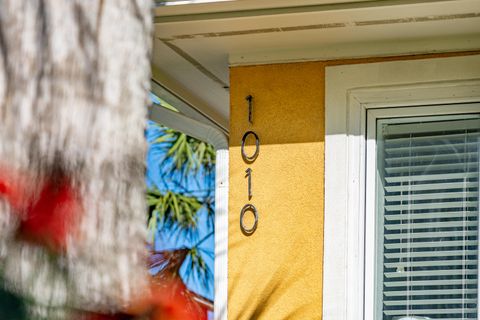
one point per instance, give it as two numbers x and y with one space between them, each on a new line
74 78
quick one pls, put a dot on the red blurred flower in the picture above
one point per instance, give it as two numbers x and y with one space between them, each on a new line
47 218
53 216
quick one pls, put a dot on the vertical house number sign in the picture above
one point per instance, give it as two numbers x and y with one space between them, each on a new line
249 159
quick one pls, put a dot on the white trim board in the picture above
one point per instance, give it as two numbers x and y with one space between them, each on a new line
350 91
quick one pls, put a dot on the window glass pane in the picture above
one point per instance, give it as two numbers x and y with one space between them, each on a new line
427 217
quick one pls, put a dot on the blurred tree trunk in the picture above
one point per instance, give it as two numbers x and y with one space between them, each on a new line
74 79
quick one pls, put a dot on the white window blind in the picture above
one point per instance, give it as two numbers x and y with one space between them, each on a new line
427 217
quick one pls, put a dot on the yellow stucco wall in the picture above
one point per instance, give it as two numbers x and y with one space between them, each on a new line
276 273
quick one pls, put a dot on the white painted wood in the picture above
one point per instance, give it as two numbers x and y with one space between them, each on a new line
221 235
212 6
369 181
350 91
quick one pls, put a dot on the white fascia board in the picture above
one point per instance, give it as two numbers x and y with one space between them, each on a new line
246 6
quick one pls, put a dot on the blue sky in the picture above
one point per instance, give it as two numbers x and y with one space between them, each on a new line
196 185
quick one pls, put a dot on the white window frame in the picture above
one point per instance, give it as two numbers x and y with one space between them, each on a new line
351 90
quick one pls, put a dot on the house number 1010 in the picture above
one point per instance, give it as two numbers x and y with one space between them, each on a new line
249 159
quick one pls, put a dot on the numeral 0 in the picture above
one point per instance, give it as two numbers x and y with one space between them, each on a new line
251 208
246 158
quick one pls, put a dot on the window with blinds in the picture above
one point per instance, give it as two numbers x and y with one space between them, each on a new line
427 217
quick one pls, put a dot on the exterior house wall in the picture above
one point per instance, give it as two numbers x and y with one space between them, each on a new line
276 273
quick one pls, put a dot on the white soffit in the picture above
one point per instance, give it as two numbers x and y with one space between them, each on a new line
194 44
